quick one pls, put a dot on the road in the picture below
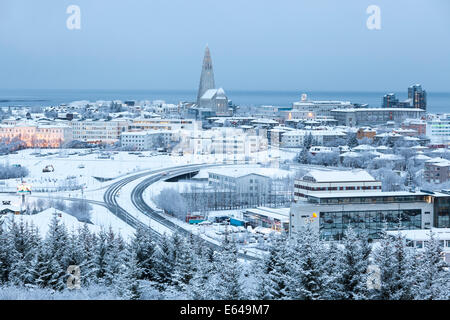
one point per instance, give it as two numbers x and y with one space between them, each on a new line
139 202
110 201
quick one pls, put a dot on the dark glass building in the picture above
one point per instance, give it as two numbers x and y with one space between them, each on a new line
418 97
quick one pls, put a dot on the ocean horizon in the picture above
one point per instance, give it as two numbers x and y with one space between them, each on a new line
438 102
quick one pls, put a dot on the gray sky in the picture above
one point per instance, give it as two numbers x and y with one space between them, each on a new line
255 44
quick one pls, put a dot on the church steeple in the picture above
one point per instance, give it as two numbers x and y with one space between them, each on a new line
207 76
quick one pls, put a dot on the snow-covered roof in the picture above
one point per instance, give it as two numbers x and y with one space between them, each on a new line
281 214
244 171
391 157
351 154
209 94
340 176
364 147
422 157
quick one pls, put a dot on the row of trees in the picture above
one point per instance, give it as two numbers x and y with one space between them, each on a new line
176 267
11 172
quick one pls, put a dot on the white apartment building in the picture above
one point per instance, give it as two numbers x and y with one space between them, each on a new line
146 140
295 138
99 131
236 145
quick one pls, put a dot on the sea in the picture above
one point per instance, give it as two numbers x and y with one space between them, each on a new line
438 102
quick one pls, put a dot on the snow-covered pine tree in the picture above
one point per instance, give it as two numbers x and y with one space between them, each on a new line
100 256
51 271
25 240
184 264
201 286
433 277
115 260
86 242
144 247
128 280
228 272
356 253
164 263
395 262
8 254
271 271
332 271
305 265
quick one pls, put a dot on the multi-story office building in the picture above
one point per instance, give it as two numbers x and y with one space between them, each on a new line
332 201
374 116
418 97
99 131
146 140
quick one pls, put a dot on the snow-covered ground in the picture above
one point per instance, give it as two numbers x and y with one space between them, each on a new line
43 219
79 167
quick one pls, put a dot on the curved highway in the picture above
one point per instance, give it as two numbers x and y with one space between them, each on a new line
139 202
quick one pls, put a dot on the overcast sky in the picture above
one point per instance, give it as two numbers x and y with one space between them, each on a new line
255 44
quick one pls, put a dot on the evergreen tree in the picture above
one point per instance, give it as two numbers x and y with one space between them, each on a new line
352 141
144 247
228 272
306 274
332 270
164 262
272 270
356 254
433 275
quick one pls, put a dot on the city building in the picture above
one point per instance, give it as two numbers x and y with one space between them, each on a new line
295 138
375 116
164 124
332 201
250 186
420 126
418 97
437 170
216 100
146 140
366 132
438 130
99 131
319 108
390 100
43 135
272 218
